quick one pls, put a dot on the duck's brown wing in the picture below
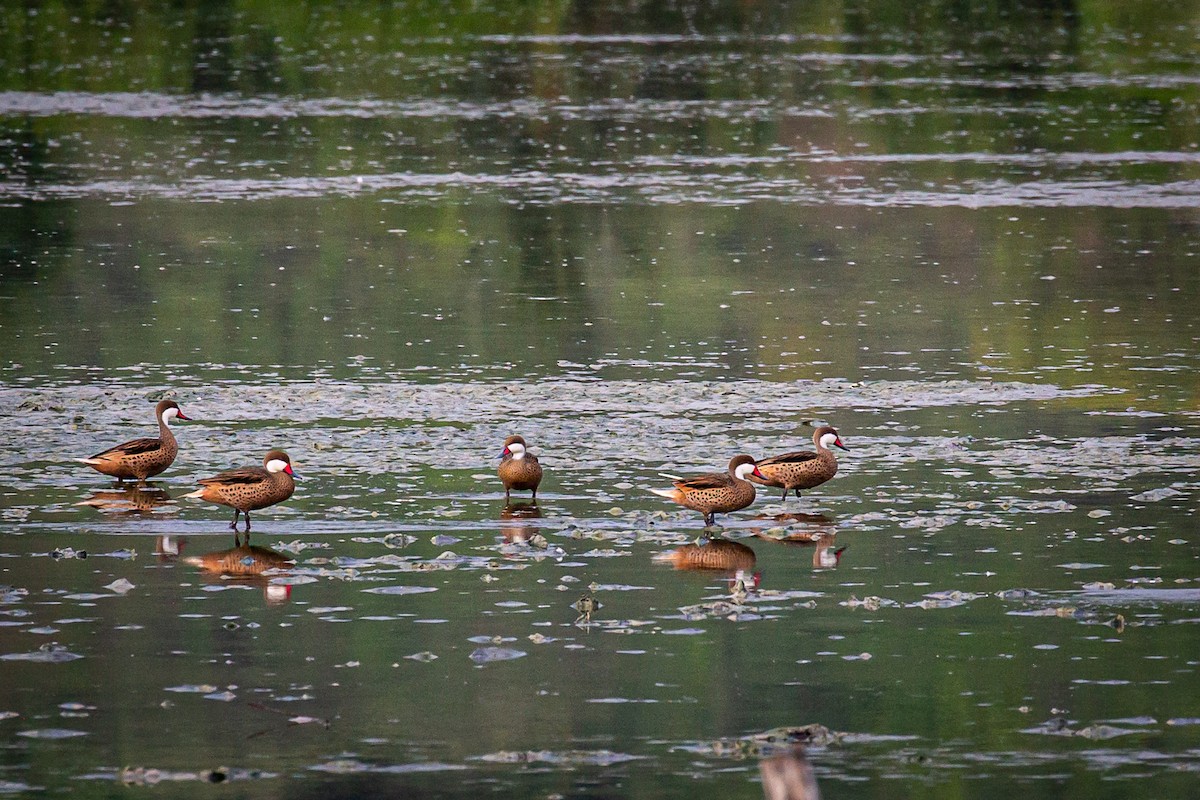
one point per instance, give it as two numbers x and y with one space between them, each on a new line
788 458
131 448
711 480
242 475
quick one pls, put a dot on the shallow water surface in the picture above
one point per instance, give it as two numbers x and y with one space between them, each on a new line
395 618
646 238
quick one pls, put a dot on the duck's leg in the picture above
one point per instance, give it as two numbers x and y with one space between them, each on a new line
785 491
247 513
710 519
235 519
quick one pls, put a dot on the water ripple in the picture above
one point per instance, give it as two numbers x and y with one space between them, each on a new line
666 187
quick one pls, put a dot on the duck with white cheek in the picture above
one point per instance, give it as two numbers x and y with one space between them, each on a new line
250 488
142 458
715 492
519 469
803 469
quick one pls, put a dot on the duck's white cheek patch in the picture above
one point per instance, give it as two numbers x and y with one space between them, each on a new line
276 465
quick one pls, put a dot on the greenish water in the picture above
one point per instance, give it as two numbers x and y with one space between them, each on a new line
646 237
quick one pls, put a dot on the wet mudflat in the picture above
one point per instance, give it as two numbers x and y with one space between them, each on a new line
646 244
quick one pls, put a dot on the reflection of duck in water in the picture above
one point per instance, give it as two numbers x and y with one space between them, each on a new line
168 548
250 488
742 584
826 554
519 469
715 554
518 528
734 559
803 469
715 492
788 776
243 561
137 499
797 519
246 564
802 529
521 511
142 458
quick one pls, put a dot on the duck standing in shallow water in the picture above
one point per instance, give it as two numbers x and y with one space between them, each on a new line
519 469
250 488
804 469
715 492
142 458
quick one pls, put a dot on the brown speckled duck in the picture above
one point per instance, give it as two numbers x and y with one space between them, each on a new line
519 469
715 492
250 488
804 469
142 458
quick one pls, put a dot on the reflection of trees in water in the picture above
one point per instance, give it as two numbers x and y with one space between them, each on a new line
649 275
1000 33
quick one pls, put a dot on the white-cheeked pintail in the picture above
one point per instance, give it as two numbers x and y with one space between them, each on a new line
519 469
250 488
142 458
715 492
804 469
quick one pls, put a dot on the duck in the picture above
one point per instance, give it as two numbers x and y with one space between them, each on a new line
519 469
715 492
803 469
142 458
250 488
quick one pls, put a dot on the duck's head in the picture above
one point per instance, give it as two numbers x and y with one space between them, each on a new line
278 461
